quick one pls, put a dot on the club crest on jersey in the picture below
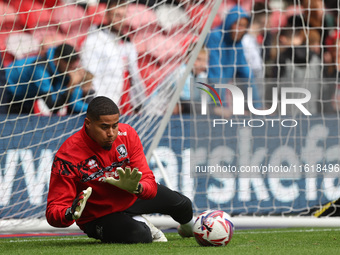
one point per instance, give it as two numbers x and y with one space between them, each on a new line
122 151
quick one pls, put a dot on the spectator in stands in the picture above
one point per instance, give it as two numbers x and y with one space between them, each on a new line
260 36
110 56
331 81
252 53
52 78
298 66
198 72
317 19
314 42
84 91
255 44
227 60
87 88
167 87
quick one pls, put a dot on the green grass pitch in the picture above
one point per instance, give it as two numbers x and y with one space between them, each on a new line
261 241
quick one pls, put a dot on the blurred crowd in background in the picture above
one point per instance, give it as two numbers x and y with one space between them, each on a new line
57 55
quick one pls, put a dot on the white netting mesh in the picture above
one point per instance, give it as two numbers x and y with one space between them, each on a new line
125 50
138 53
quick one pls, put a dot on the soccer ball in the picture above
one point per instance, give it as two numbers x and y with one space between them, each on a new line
213 228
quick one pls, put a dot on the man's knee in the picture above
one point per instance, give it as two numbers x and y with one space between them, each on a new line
182 211
139 234
187 208
142 234
119 228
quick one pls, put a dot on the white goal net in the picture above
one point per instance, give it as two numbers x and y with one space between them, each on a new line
170 65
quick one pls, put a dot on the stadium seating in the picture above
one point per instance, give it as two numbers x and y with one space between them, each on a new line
156 45
279 18
141 18
32 13
9 23
96 14
152 72
8 17
49 3
158 42
195 14
72 19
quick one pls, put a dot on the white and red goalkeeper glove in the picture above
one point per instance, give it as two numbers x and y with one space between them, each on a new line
78 205
128 180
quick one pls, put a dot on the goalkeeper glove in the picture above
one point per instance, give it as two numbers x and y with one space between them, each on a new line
128 180
78 205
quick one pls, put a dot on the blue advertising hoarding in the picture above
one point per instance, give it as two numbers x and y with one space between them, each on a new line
27 149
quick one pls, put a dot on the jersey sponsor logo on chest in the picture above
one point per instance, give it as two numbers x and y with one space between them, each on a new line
92 164
109 171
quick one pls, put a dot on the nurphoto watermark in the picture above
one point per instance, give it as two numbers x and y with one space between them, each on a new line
239 131
243 104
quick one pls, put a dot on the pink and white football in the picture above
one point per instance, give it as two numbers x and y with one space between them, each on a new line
213 228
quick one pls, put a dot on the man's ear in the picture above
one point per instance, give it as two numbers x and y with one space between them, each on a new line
87 122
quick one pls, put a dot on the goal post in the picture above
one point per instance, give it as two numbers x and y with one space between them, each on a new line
149 51
180 82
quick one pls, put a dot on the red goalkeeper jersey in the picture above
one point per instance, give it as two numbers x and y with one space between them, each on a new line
81 162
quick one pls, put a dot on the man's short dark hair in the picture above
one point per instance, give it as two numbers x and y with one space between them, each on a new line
101 106
66 52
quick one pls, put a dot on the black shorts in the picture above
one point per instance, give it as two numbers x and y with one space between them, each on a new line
120 227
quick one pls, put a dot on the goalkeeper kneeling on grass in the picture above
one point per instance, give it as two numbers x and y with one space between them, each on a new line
100 179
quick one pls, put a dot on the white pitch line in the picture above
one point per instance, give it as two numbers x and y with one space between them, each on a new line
288 231
32 239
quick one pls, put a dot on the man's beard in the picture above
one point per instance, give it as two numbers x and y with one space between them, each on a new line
108 147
